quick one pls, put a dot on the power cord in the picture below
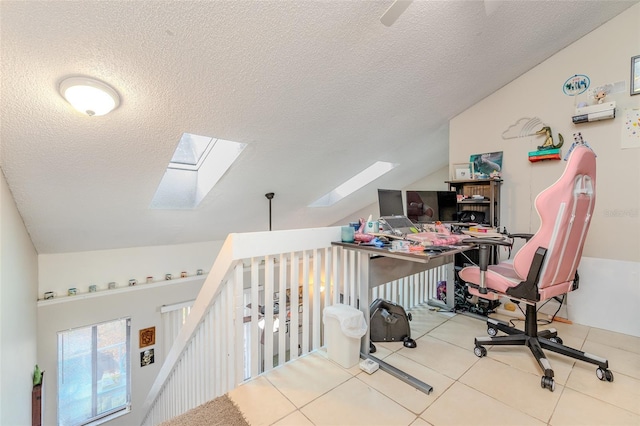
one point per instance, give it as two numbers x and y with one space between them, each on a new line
542 321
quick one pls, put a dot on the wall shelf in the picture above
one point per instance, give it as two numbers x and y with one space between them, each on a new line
125 289
489 189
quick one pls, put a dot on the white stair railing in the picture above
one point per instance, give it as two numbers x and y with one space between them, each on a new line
261 306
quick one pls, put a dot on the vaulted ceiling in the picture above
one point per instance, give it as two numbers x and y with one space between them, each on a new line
319 90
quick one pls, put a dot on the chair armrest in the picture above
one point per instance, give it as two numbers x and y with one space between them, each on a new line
490 241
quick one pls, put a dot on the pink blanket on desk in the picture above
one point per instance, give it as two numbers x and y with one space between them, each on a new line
435 238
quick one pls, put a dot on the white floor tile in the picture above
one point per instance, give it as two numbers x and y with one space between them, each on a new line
623 392
616 340
513 387
307 378
575 408
502 388
260 402
294 419
462 405
441 356
460 331
355 403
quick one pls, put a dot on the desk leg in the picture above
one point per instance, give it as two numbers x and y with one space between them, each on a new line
364 296
365 301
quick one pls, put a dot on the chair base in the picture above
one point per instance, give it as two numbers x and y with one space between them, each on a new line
536 342
495 325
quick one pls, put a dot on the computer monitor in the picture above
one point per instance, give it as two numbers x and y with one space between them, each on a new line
390 202
432 206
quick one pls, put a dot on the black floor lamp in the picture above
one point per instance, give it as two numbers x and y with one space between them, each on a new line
269 196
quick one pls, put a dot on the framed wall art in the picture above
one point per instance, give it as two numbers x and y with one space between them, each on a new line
462 171
147 357
487 163
147 337
635 75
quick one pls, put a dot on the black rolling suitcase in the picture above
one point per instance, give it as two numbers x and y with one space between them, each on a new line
390 323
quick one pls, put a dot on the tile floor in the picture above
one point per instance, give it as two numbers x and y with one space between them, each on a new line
502 388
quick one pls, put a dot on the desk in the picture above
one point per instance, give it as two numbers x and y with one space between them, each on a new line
381 265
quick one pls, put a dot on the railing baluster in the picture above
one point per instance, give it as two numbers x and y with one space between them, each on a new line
282 310
294 323
236 361
305 302
317 283
255 306
268 312
351 300
328 276
336 253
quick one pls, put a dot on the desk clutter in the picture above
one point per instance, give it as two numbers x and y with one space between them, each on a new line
399 233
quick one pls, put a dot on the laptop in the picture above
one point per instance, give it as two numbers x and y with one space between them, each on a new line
399 225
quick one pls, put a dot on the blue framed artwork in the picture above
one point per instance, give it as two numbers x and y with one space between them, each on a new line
485 164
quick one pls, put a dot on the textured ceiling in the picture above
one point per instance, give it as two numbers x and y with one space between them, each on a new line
318 89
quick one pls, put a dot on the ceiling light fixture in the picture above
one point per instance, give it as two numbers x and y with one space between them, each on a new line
89 96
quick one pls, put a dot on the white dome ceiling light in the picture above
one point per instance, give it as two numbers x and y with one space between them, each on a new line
89 96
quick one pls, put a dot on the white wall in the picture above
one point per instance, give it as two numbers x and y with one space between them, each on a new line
141 303
433 182
59 272
18 293
613 243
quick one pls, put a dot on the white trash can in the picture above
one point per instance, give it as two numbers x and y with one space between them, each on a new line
344 325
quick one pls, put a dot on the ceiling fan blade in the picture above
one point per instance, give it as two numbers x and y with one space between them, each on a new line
394 12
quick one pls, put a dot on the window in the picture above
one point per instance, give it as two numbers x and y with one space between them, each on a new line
94 376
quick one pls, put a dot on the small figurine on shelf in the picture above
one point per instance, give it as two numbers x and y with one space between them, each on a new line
548 142
495 175
599 96
601 92
37 376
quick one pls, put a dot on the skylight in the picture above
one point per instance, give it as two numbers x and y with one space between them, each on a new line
363 178
197 165
191 151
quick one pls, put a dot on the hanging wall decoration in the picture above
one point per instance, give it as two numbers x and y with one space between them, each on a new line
527 127
487 165
548 150
576 85
523 128
147 337
146 358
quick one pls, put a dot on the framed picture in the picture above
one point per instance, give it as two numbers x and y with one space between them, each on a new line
462 171
147 337
635 75
147 357
485 164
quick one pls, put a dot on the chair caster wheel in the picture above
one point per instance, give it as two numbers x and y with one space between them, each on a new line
480 351
604 374
548 383
491 331
557 340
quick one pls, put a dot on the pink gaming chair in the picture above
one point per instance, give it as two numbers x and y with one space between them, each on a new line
545 267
